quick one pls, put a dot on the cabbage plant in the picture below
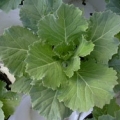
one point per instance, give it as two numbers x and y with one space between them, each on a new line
63 60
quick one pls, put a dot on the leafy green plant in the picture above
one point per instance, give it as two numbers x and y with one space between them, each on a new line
62 60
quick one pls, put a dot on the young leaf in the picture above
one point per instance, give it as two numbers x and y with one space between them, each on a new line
72 66
85 48
114 5
64 51
72 59
8 5
91 86
66 26
102 28
33 10
13 48
1 112
41 65
45 101
22 85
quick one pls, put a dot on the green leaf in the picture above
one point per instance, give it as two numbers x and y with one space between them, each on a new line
66 26
45 101
1 112
84 48
81 49
106 109
72 66
33 10
107 1
102 28
114 5
115 63
117 115
2 88
22 85
9 106
13 46
41 65
9 100
91 86
8 5
64 51
91 119
106 117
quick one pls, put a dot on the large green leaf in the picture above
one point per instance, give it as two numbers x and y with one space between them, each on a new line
114 5
45 101
41 65
106 109
102 28
22 85
1 111
33 10
8 5
66 26
91 86
13 48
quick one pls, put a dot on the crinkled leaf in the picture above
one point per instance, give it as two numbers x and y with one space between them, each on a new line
64 51
22 85
1 111
45 101
102 28
110 109
13 46
41 65
114 5
33 10
66 26
91 86
8 5
72 66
